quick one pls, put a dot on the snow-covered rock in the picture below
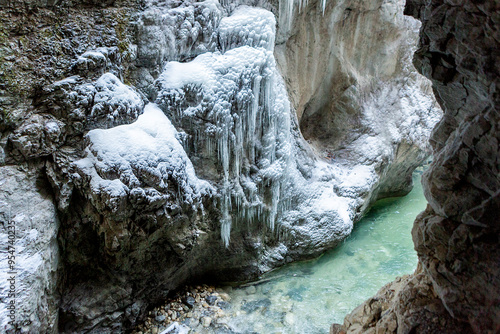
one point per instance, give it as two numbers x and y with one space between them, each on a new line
115 100
38 136
85 105
150 163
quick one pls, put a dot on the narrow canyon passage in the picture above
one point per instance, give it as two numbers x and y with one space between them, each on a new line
147 144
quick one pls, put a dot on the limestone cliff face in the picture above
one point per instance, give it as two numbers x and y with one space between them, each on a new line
347 65
215 178
456 237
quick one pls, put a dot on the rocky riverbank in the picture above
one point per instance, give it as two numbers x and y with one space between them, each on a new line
199 309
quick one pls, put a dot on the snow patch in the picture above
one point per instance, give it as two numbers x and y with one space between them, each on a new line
115 98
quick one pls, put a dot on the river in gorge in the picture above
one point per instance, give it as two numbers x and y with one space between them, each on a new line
307 297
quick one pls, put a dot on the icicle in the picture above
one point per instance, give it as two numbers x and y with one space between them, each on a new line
238 147
252 118
225 230
286 13
274 204
286 10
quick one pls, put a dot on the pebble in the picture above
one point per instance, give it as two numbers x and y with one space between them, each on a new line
198 308
211 299
251 290
160 318
224 296
205 321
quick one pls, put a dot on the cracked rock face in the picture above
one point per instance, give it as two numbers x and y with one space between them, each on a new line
456 237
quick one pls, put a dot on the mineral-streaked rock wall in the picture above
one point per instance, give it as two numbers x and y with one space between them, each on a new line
138 216
457 286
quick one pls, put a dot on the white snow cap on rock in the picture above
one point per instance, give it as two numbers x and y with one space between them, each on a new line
147 155
112 94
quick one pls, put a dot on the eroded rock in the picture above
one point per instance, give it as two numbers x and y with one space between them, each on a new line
456 237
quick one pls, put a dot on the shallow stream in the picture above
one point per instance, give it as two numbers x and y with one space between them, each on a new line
307 297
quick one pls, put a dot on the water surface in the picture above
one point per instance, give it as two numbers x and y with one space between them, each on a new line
307 297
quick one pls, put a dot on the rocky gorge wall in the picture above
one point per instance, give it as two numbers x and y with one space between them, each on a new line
40 44
456 286
347 65
252 155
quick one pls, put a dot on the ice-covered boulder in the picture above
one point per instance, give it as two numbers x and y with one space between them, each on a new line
242 113
151 165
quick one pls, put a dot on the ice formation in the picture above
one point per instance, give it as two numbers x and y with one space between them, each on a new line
254 27
178 31
247 113
242 101
286 8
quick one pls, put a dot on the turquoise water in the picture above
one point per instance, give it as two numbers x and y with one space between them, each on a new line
308 297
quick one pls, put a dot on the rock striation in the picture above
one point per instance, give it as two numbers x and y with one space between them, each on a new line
456 237
186 139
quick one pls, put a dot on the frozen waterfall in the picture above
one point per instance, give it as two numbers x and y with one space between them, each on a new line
242 100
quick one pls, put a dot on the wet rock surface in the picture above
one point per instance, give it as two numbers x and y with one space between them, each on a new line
456 237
